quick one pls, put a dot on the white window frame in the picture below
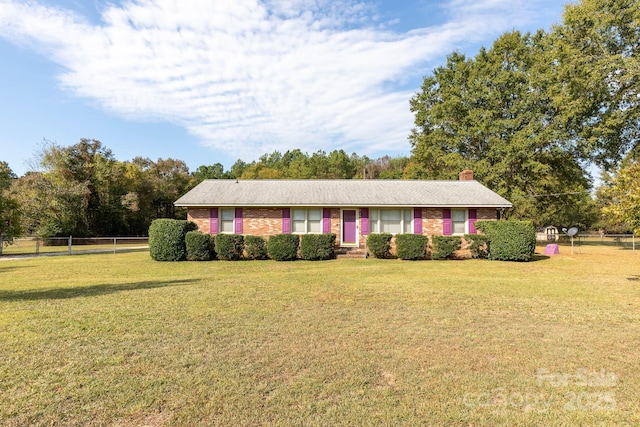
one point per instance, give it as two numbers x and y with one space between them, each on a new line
375 221
221 221
465 222
307 222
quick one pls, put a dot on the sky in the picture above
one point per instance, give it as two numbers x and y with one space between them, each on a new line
209 81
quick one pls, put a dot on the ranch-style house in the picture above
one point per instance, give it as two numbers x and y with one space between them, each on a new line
352 209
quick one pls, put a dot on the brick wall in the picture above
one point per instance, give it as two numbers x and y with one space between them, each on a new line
268 221
201 217
262 221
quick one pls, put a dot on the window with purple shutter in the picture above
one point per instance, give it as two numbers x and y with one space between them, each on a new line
238 221
364 221
417 221
213 221
472 221
326 220
286 220
446 222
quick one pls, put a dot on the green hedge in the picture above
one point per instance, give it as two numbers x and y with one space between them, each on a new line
314 247
167 239
411 246
255 247
229 247
379 245
283 247
444 247
199 246
509 240
478 244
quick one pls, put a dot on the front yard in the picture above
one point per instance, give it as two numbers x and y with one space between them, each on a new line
123 340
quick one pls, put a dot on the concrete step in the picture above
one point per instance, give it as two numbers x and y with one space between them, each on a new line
350 253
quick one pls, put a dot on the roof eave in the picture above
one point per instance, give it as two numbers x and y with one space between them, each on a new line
343 205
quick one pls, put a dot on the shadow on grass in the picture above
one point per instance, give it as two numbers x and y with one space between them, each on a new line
7 269
539 257
85 291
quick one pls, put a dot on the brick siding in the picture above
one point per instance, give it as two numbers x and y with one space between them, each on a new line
268 221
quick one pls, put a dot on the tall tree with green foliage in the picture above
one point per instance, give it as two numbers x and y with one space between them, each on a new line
10 226
494 114
596 59
92 170
621 198
531 113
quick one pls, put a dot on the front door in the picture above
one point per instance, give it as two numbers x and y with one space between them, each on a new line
349 236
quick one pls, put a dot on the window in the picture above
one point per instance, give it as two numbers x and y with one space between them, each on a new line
306 221
392 221
458 221
226 220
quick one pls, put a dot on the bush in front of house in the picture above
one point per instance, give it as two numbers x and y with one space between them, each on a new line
229 247
167 239
509 240
314 247
444 247
283 247
478 244
379 245
255 247
199 246
411 246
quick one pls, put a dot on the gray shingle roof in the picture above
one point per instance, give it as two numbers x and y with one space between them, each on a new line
351 192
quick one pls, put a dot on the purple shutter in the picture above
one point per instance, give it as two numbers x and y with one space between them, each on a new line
326 220
286 220
417 221
472 221
238 221
364 221
446 222
213 221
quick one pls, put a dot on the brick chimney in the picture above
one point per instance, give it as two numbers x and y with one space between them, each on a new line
466 175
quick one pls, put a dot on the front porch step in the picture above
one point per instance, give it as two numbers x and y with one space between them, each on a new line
345 253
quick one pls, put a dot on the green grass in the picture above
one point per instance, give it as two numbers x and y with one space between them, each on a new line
123 340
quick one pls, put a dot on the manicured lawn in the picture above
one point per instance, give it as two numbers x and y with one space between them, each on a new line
123 340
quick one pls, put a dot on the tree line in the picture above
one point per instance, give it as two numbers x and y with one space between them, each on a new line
83 190
530 115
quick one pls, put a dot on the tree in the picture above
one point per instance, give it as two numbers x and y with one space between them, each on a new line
621 197
596 57
89 169
153 187
215 171
10 226
494 114
50 206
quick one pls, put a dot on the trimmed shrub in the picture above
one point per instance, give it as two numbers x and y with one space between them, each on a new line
167 239
444 247
199 246
283 247
478 244
411 246
315 247
509 240
255 247
229 247
379 245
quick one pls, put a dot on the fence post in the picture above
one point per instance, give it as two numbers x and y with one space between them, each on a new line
114 245
1 243
70 238
37 245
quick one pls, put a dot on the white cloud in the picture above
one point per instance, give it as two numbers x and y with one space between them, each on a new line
250 76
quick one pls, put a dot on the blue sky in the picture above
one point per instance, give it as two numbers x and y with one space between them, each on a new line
213 81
